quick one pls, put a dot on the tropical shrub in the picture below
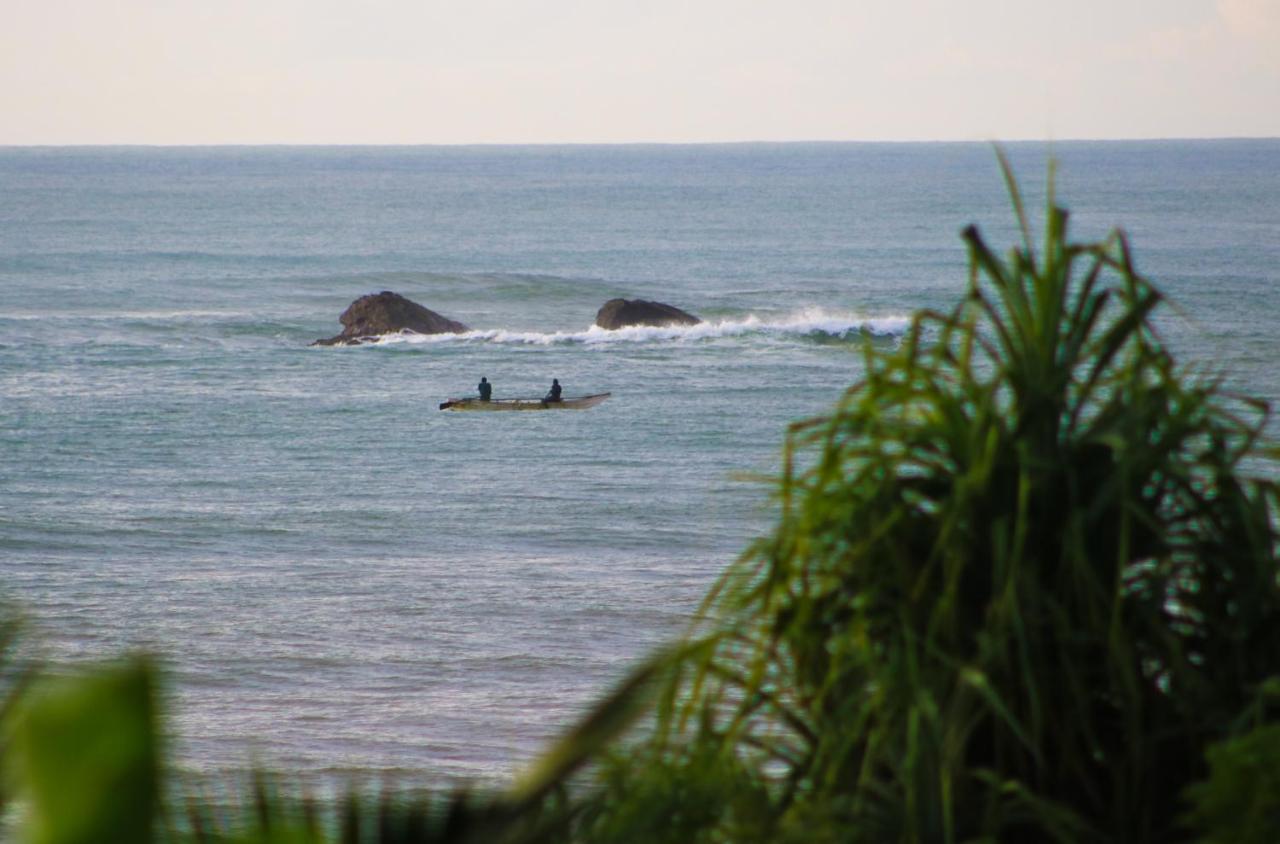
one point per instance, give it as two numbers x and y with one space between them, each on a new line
1020 583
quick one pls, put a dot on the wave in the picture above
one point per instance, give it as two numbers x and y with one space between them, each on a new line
811 324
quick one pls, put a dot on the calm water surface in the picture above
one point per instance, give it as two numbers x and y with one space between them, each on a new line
341 578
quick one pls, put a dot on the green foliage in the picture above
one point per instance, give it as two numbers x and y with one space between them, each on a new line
1240 801
85 752
83 758
704 794
1019 583
14 676
271 816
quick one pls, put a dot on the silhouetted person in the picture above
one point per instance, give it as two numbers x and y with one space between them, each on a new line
485 388
554 394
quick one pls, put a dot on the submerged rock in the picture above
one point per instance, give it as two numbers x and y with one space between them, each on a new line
619 313
388 313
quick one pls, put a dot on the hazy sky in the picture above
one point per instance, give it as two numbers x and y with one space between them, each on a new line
530 71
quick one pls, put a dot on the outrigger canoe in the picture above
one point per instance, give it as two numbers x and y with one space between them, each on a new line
573 403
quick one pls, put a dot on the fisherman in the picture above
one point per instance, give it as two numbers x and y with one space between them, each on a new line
485 388
554 394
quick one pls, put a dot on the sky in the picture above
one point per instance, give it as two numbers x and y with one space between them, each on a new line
619 71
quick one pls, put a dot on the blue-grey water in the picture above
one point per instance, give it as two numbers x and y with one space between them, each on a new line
338 576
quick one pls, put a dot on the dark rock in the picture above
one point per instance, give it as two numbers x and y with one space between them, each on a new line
388 313
619 313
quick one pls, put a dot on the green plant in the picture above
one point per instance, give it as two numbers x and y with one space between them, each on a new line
84 754
1239 802
85 757
1019 584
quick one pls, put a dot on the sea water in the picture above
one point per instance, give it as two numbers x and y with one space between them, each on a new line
341 579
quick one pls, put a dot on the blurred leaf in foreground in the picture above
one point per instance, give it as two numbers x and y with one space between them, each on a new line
85 754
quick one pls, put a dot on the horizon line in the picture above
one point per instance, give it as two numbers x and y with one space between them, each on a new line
526 144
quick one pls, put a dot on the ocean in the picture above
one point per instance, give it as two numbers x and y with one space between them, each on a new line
341 580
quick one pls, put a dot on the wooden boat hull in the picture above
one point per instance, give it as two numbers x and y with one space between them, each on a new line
575 403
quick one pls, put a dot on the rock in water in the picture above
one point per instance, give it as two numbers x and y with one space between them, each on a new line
619 313
388 313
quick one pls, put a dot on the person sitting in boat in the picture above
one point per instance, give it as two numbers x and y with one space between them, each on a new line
485 388
554 394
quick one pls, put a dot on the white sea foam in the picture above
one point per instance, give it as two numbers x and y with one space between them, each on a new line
808 323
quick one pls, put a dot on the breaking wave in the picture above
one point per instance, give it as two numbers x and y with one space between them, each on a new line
810 324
